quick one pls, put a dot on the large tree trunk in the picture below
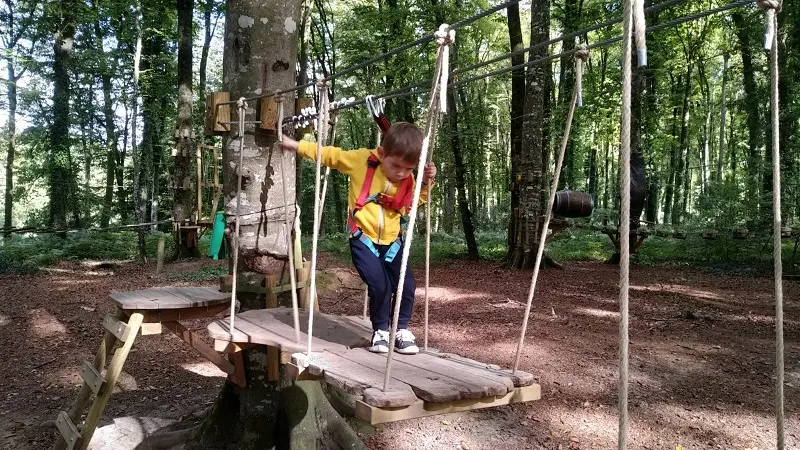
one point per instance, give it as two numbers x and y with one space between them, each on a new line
265 414
62 181
678 205
517 112
787 90
184 139
458 161
135 147
529 171
571 21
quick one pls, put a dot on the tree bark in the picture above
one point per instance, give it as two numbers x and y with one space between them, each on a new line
62 181
679 206
184 139
11 148
458 161
722 118
529 176
135 148
517 112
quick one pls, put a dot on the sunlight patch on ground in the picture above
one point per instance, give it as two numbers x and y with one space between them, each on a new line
204 369
54 270
446 295
126 432
65 377
45 325
597 424
4 320
680 289
594 312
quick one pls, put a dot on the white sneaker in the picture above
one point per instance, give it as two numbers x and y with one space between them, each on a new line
380 341
405 343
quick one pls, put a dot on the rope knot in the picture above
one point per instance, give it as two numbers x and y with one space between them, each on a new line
278 97
445 36
322 84
582 52
241 103
766 5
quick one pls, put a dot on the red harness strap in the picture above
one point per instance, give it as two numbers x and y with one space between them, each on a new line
402 199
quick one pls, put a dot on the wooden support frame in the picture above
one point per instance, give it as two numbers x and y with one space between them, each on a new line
374 415
69 432
201 347
119 329
217 117
92 378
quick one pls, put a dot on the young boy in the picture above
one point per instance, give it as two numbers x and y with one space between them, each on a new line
380 195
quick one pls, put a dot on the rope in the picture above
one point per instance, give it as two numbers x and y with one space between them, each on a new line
288 224
625 225
771 7
581 55
445 37
242 110
322 131
639 28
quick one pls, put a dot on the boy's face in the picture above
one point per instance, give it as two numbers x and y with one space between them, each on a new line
396 168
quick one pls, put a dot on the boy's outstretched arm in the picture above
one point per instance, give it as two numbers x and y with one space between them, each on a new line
333 157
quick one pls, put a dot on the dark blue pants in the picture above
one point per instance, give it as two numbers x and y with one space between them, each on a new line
382 279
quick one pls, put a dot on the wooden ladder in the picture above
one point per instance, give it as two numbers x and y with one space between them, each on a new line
99 380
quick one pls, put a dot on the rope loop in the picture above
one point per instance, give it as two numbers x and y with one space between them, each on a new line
444 36
766 5
582 52
770 8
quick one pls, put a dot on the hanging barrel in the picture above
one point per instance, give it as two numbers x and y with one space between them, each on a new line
573 204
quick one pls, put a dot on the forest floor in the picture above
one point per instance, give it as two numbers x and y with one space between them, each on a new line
702 355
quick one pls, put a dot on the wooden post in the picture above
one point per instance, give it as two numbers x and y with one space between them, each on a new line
160 255
199 155
217 115
268 113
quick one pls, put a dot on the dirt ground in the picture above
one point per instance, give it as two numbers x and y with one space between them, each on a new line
702 355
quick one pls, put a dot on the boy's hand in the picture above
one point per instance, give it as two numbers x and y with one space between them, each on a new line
289 144
429 174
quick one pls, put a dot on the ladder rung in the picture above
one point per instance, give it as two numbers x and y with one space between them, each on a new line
67 429
117 328
92 377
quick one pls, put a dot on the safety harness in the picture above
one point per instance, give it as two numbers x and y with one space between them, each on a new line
400 202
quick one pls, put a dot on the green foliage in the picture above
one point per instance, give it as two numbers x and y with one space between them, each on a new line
209 272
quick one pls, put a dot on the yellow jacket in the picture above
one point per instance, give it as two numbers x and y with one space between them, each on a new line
380 224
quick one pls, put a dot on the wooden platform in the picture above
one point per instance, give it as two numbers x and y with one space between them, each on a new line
170 298
428 383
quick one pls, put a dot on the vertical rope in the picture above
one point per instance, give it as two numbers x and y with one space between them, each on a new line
639 29
444 38
625 226
581 55
242 110
322 122
288 223
771 7
427 263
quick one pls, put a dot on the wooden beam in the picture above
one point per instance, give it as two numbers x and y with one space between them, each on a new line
116 327
168 315
201 347
92 377
67 429
151 328
238 377
296 372
230 347
375 415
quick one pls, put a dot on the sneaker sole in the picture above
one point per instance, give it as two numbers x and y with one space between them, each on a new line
407 351
378 349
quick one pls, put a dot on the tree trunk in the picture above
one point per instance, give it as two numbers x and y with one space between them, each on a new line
11 148
669 190
108 115
722 117
517 115
571 20
458 161
529 173
751 106
62 181
135 148
678 206
184 139
788 26
265 414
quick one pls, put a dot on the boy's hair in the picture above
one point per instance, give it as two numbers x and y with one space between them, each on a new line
403 140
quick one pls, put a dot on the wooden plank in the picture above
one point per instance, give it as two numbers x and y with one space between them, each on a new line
427 386
204 349
92 377
151 328
485 383
519 379
116 327
112 375
275 327
296 372
69 432
160 256
230 347
166 315
169 298
355 379
375 415
238 377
